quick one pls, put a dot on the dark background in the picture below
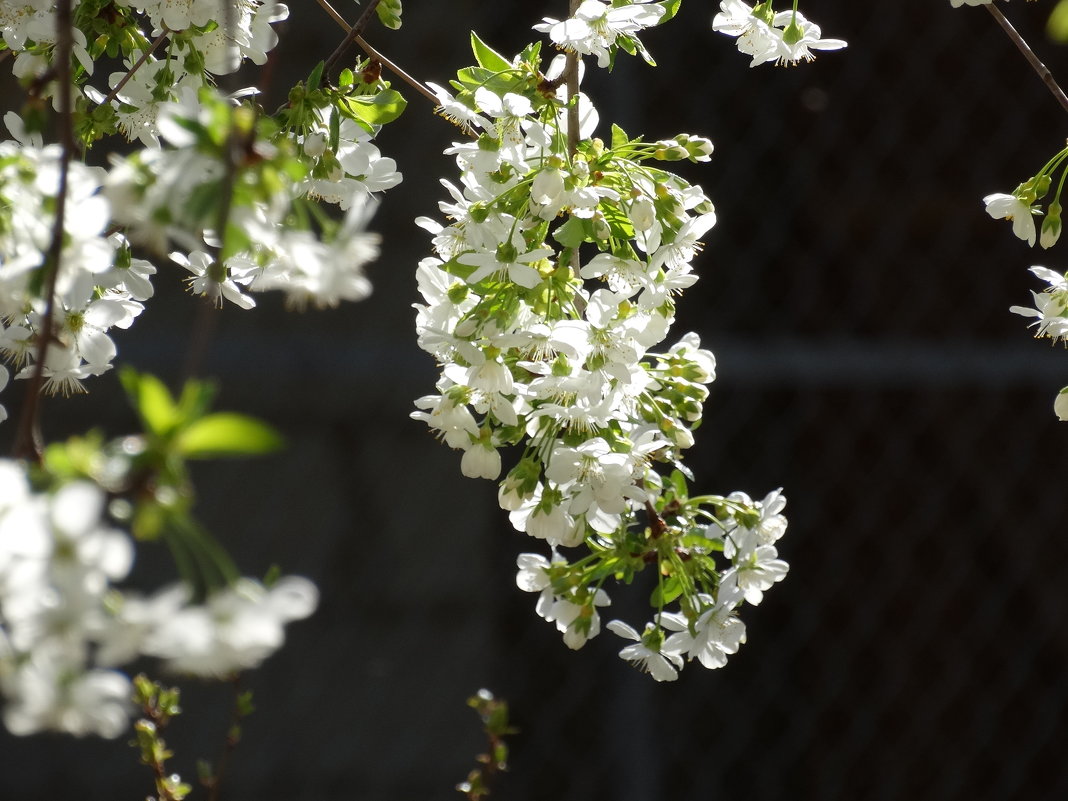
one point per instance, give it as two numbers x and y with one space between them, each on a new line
856 295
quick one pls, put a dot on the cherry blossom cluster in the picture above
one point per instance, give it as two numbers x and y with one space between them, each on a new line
239 200
599 28
221 189
102 285
782 38
65 627
547 301
1024 208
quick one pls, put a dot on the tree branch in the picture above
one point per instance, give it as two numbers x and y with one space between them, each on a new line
27 435
137 65
1032 59
351 36
375 54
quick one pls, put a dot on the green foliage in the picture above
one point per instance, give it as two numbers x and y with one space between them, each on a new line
389 13
371 110
1057 25
487 57
159 705
148 475
494 715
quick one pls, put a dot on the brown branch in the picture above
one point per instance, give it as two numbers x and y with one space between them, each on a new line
27 435
233 736
396 70
375 54
350 36
137 65
1032 59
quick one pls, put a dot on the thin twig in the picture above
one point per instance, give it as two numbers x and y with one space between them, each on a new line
334 14
396 70
1032 59
233 737
27 435
375 54
350 36
137 65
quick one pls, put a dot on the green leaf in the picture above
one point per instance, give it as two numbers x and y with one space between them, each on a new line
377 109
335 132
152 400
666 592
678 484
487 57
195 399
619 137
671 8
389 13
572 233
227 434
1057 26
315 77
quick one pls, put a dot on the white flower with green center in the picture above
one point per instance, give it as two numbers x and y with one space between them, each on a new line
1051 306
509 261
649 652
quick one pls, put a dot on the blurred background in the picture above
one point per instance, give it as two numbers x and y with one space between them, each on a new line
856 296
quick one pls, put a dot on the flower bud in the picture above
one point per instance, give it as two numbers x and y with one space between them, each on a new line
1060 405
1051 226
314 145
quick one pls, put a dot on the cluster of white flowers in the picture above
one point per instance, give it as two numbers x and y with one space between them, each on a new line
100 287
168 197
1051 306
596 27
64 627
786 37
1022 208
230 194
553 282
711 630
1051 320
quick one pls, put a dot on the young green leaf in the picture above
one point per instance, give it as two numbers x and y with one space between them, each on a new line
487 57
389 13
377 109
227 434
153 402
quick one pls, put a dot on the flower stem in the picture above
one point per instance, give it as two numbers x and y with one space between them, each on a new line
391 66
137 65
1032 59
353 32
27 435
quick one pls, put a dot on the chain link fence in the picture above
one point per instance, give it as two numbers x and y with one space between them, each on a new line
857 298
